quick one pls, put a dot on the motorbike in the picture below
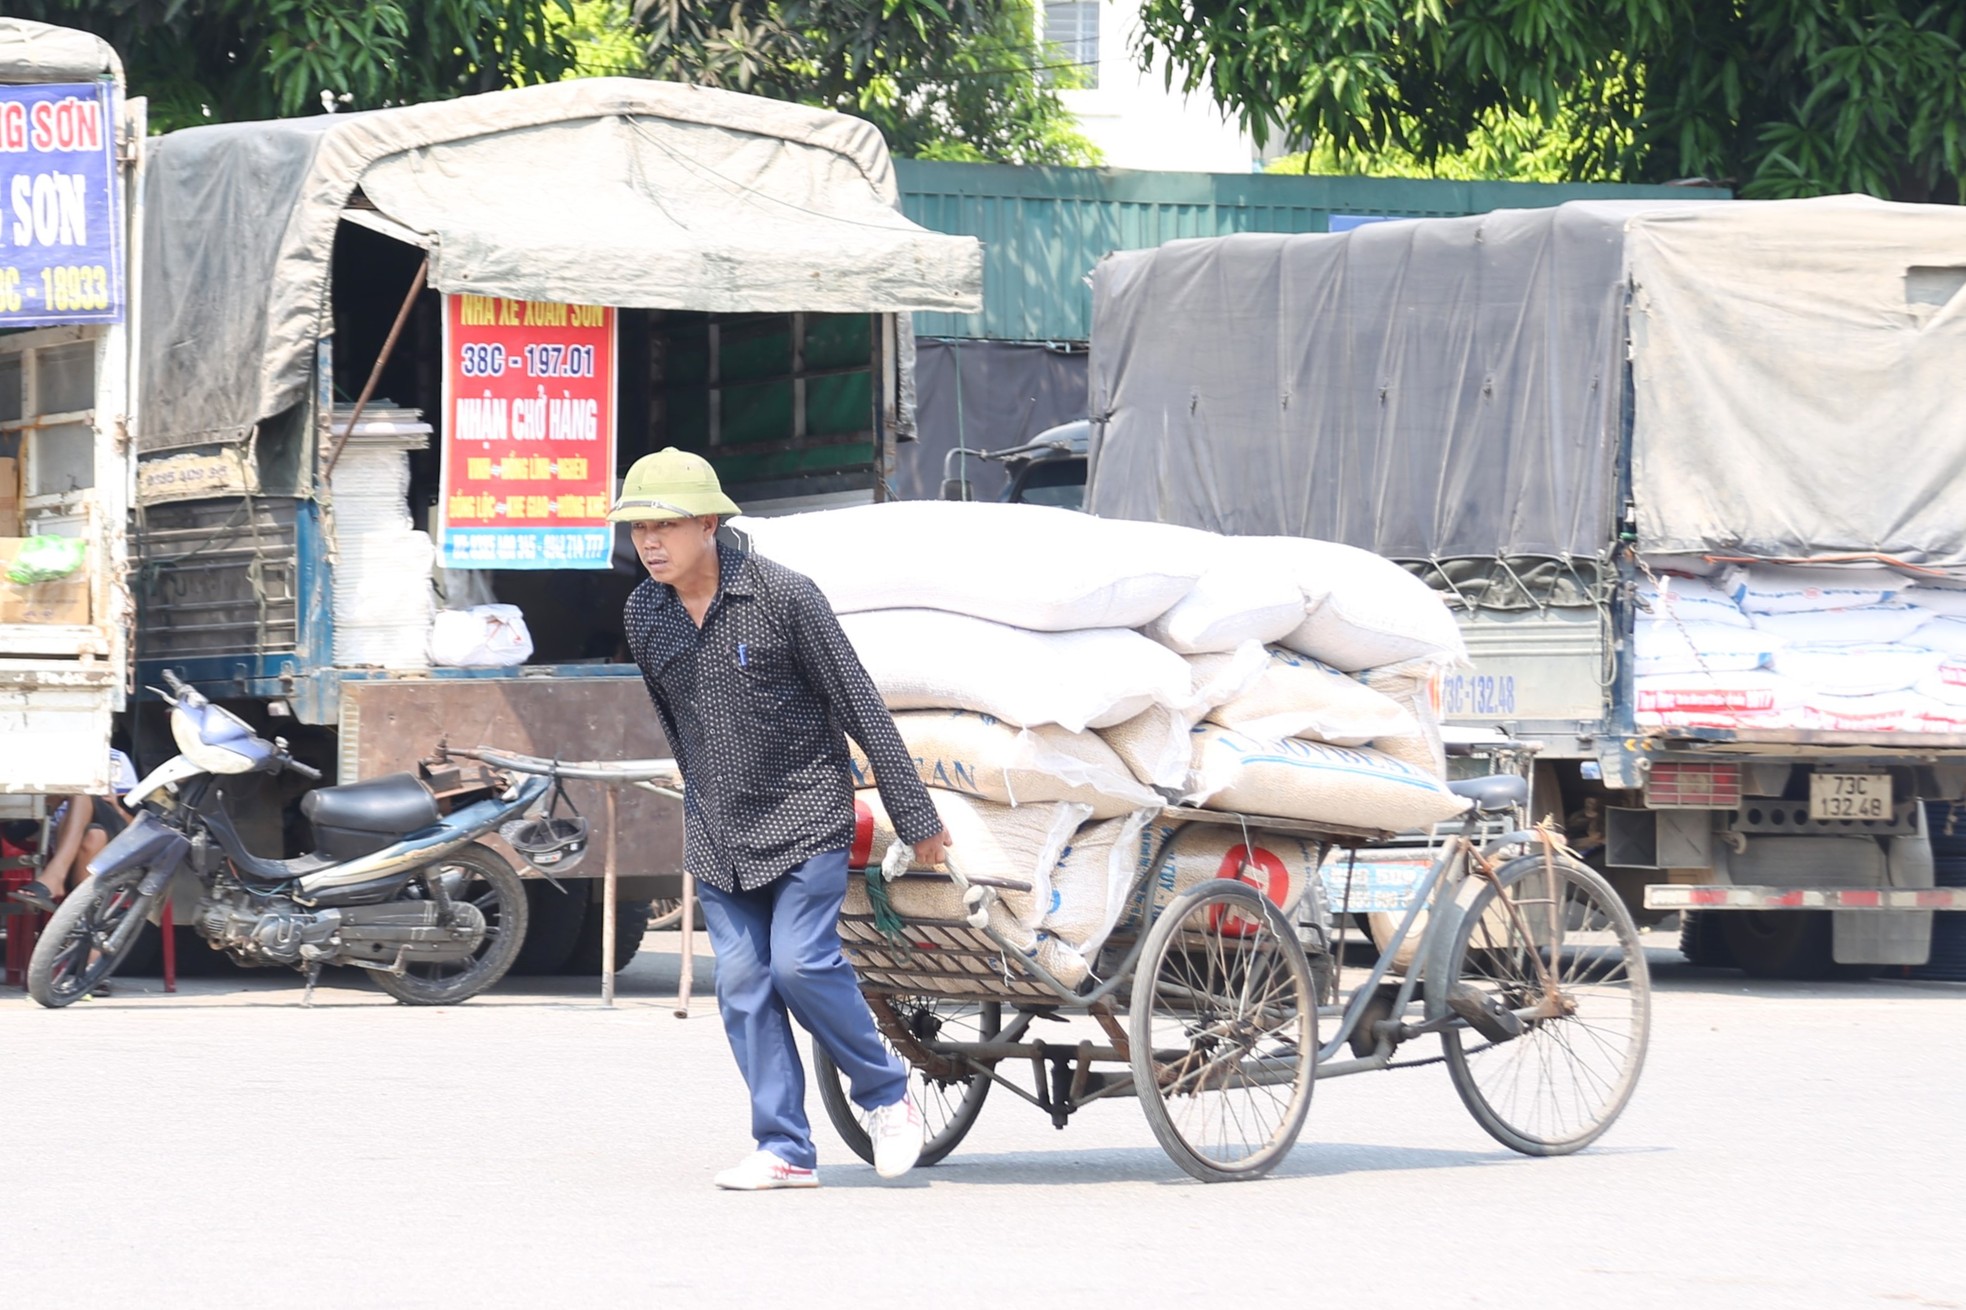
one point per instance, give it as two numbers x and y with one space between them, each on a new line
392 887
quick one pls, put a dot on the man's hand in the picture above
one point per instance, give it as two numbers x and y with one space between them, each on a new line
935 851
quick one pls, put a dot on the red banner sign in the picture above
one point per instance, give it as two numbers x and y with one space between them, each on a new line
529 417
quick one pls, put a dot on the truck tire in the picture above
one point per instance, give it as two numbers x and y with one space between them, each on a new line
553 919
631 924
1780 943
1703 940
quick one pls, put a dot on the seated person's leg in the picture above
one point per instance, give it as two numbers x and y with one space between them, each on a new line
70 830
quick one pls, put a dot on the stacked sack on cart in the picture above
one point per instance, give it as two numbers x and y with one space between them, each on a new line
1062 679
1837 648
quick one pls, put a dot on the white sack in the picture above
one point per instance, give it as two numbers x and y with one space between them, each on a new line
1297 696
1046 569
1415 687
1243 597
1894 711
1946 683
1667 647
1855 670
1788 588
1722 700
1689 600
927 659
482 637
995 841
985 758
1866 625
1290 778
1364 611
1093 878
1278 864
1944 634
1939 595
1155 746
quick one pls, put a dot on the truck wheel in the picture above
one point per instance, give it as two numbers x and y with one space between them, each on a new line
1703 940
553 919
1780 943
631 924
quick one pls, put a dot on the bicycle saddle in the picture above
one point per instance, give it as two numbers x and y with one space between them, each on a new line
1496 792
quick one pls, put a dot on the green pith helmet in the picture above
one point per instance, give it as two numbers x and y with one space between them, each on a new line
670 484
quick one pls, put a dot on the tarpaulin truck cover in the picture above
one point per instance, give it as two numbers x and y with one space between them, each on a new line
1440 388
610 191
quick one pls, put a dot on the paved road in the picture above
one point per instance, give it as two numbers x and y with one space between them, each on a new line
1791 1146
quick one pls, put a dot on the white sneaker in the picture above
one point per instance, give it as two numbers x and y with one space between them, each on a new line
897 1133
761 1171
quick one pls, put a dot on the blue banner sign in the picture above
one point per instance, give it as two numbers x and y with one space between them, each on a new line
61 210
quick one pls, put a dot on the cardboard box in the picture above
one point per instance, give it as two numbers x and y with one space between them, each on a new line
9 498
65 601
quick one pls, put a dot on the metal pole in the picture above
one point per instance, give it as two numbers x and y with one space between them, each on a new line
688 926
607 912
375 374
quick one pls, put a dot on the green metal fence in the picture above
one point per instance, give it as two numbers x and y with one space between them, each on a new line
1044 228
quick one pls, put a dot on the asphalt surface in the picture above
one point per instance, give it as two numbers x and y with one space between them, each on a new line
1791 1145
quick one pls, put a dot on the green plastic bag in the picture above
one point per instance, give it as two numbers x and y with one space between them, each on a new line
47 559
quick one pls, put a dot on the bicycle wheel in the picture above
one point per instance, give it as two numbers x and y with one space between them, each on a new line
1224 1032
1558 1084
71 958
949 1102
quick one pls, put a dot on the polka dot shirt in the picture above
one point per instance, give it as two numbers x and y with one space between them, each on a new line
757 705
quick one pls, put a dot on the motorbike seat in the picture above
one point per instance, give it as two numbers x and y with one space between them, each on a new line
389 806
1496 792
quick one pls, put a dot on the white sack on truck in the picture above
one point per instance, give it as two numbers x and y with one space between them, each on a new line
1290 778
1938 596
929 659
1021 843
1033 566
988 759
1278 864
1755 699
1297 696
1859 626
1688 600
1945 635
1789 588
1693 647
1855 670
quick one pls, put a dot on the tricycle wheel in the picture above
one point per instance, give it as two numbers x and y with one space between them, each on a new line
1555 1085
1224 1032
949 1103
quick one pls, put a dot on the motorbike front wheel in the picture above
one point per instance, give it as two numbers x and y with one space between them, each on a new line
479 876
72 958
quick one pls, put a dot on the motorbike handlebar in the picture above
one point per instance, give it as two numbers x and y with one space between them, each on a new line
306 771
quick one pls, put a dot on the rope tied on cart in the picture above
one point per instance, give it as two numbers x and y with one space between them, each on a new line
892 866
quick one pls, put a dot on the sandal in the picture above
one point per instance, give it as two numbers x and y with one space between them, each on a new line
36 895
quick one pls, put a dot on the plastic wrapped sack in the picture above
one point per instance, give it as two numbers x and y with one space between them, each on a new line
1721 700
1092 880
1278 864
1666 647
928 659
1290 778
1047 569
1155 746
1788 588
1021 843
1297 696
47 559
482 637
982 757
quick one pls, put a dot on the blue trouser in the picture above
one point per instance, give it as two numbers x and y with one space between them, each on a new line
778 949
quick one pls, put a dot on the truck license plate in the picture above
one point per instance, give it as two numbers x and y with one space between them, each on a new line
1850 796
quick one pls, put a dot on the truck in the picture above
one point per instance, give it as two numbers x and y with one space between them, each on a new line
1578 424
393 363
70 154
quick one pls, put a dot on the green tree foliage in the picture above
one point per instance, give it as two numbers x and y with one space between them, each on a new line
1776 97
204 61
942 79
